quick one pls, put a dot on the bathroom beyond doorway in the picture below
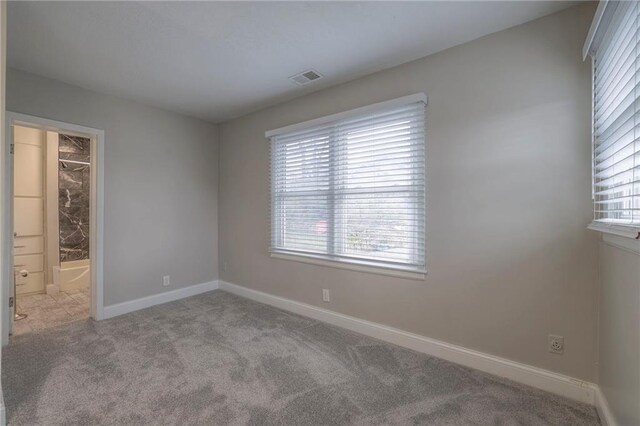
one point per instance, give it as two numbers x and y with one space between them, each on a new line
54 271
51 219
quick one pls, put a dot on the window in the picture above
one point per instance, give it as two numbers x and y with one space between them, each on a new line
615 50
351 187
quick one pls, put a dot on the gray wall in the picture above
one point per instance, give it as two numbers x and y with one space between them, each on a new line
161 180
508 179
619 330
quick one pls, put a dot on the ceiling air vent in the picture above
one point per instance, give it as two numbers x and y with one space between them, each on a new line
305 77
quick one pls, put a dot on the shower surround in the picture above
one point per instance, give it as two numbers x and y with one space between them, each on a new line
74 184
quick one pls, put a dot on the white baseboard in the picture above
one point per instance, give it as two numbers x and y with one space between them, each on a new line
3 411
606 416
158 299
549 381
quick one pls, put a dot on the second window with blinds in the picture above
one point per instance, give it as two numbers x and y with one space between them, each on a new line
616 120
350 188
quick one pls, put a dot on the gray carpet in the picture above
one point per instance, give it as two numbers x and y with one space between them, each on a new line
220 359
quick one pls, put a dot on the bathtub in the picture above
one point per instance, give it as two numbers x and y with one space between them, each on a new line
72 275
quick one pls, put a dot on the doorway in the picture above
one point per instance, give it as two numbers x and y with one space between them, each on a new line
53 224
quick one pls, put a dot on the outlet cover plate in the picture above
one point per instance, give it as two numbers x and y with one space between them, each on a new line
556 344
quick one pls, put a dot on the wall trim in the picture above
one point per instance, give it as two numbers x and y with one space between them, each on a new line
546 380
392 103
602 405
593 30
353 266
626 244
158 299
630 234
3 410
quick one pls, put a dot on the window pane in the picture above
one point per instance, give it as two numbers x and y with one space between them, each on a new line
380 156
382 226
304 223
302 165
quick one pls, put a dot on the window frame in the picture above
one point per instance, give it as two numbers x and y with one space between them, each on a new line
382 267
599 27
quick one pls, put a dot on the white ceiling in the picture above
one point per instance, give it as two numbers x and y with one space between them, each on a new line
220 60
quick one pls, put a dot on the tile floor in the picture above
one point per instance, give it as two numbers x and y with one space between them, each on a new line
51 310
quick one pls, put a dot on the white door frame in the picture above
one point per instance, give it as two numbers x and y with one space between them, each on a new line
96 226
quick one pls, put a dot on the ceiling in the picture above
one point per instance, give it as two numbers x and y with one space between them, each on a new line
220 60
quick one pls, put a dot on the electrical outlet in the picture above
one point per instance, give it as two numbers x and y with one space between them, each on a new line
556 344
326 297
224 266
166 280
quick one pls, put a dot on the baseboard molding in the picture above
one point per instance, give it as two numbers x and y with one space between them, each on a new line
3 412
549 381
158 299
602 405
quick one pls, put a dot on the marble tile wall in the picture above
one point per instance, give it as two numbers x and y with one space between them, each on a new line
74 184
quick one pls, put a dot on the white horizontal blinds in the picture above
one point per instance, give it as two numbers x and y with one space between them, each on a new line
300 192
353 189
616 154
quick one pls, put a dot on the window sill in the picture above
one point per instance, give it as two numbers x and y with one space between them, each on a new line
352 266
632 232
625 237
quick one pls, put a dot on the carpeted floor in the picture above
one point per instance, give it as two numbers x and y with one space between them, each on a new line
219 359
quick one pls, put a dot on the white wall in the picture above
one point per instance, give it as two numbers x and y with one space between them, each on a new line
161 179
619 328
508 179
